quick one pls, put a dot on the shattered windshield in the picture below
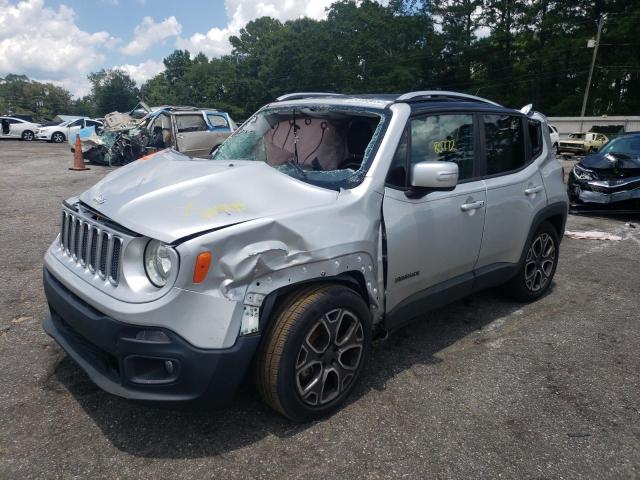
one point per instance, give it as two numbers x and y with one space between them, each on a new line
326 146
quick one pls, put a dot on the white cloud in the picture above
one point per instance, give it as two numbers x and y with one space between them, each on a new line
215 42
46 43
149 33
143 71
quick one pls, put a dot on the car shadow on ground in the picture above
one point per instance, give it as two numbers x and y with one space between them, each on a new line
192 431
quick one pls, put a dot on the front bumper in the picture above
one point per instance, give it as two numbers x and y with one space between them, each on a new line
604 192
122 362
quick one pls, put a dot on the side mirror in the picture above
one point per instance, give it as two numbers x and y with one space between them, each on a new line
432 176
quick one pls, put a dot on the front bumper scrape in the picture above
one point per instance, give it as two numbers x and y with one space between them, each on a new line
125 362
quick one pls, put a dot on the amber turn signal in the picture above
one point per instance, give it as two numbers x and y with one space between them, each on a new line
202 267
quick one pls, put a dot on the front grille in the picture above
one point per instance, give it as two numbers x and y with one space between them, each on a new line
92 246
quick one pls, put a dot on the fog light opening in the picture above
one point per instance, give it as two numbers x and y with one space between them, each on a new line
152 336
170 367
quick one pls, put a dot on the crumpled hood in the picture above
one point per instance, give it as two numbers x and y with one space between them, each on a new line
170 196
598 161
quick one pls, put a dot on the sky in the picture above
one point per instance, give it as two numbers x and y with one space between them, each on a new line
61 41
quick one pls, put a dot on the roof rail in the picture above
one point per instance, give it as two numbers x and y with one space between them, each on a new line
425 94
299 95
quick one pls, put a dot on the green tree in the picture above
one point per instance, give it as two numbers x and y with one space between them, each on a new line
176 65
113 90
22 96
511 51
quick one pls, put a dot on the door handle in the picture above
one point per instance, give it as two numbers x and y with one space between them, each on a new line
472 206
533 190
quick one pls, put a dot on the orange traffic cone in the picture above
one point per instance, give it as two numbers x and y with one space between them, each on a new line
78 161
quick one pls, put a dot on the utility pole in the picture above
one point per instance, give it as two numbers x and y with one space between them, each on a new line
593 64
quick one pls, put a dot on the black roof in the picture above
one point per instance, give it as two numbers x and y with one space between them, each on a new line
456 105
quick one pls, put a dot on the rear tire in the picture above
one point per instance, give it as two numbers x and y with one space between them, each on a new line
315 351
540 262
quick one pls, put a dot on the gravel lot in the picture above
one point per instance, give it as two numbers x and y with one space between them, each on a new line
484 388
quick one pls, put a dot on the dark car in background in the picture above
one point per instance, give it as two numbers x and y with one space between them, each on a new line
609 176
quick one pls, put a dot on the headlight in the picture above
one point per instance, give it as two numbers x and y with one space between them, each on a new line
583 174
158 262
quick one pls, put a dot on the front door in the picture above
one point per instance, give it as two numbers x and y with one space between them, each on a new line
433 242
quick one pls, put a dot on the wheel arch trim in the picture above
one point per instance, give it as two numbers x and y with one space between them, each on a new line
556 214
356 271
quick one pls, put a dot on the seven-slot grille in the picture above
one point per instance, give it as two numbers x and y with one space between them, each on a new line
91 245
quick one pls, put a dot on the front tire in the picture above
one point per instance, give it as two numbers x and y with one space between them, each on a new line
58 137
315 351
541 260
28 136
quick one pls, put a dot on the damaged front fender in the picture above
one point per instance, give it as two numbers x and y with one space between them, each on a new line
276 254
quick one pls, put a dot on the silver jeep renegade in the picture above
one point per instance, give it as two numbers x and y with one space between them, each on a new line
325 220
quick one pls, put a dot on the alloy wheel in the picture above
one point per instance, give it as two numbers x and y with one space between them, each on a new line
539 263
329 357
28 136
57 138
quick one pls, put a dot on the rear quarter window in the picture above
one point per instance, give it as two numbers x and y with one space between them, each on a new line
535 138
218 121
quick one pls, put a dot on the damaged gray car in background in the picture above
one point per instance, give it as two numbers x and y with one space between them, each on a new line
196 132
609 177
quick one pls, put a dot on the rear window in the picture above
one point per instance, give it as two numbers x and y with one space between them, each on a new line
190 123
504 140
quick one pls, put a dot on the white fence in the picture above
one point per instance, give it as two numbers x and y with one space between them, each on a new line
567 125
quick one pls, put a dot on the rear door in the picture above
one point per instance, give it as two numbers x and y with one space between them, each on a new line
193 137
432 242
515 192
